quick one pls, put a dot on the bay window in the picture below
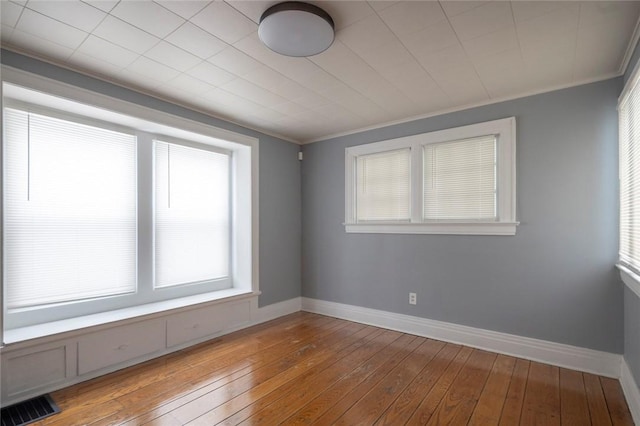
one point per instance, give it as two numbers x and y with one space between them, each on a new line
105 211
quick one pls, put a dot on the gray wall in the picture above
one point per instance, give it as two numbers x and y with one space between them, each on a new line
280 204
280 221
554 280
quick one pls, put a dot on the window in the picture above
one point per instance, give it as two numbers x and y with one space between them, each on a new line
454 181
629 175
383 186
104 211
191 215
70 210
459 180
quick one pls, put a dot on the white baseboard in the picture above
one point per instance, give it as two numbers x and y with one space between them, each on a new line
631 391
276 310
576 358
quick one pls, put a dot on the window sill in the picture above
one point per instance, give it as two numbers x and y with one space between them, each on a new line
448 228
630 278
22 334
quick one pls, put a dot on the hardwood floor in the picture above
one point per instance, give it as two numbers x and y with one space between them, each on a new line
310 369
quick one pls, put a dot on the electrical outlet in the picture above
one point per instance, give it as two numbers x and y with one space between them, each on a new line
413 298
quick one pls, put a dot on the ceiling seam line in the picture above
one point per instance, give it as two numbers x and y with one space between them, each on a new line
475 70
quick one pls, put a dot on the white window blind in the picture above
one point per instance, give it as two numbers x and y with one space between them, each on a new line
460 180
192 217
69 210
383 186
629 152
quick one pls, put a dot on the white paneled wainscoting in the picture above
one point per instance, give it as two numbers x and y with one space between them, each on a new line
39 365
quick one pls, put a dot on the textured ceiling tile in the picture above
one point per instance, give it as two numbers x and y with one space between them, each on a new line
49 29
525 10
487 45
601 38
234 61
386 55
265 77
75 13
289 108
9 13
553 27
148 16
367 34
224 22
345 13
172 56
440 62
463 87
255 93
107 51
415 83
104 5
380 5
453 8
190 84
435 38
211 74
196 41
482 20
125 35
184 8
607 12
155 70
405 18
250 8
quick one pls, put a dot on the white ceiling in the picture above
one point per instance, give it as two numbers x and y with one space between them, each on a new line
390 61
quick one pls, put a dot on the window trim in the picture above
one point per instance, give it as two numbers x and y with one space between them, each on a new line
124 114
628 274
505 131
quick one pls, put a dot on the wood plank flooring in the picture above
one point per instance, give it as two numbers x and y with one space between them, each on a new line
311 369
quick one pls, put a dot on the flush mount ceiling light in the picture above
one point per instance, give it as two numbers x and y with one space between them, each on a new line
296 29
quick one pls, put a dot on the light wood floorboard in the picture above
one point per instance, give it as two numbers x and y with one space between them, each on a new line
311 369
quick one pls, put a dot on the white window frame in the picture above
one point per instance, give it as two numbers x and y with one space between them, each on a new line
505 132
149 123
629 275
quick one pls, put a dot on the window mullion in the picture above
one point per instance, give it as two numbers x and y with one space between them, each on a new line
145 215
416 183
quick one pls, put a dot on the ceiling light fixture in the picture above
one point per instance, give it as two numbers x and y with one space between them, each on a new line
296 29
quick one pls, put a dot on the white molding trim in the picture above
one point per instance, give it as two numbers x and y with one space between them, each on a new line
630 278
276 310
631 391
576 358
631 47
448 228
